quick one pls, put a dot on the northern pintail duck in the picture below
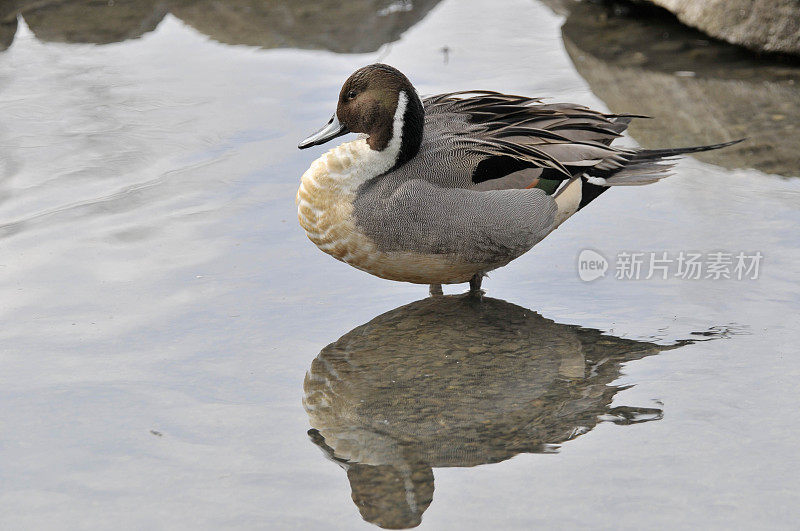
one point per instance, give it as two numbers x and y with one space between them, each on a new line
443 189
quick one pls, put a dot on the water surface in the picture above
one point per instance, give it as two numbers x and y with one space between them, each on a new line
162 307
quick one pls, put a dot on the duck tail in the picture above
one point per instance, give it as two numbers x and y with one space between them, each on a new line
641 167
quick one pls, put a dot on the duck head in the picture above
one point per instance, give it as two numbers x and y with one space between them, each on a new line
379 101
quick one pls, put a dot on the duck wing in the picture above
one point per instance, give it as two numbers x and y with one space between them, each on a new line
502 134
519 142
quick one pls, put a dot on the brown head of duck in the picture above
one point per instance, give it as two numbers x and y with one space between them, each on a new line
379 101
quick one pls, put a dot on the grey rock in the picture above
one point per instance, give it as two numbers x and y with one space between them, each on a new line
763 25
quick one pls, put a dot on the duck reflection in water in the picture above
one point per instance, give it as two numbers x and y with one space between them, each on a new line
457 381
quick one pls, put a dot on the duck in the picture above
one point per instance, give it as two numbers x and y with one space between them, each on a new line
445 188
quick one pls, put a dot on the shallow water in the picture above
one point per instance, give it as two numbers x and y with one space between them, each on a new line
162 307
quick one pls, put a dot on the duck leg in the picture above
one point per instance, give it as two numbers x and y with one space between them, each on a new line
435 290
475 285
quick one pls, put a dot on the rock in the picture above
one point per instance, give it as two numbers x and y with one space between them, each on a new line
7 32
357 26
698 91
94 22
763 25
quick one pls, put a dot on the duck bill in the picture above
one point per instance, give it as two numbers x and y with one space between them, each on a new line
330 131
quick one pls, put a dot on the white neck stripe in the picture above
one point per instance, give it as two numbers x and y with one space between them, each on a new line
385 159
397 125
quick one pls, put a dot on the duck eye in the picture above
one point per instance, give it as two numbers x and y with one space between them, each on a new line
351 94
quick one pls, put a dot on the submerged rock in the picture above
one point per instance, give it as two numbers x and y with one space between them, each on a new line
698 91
763 25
